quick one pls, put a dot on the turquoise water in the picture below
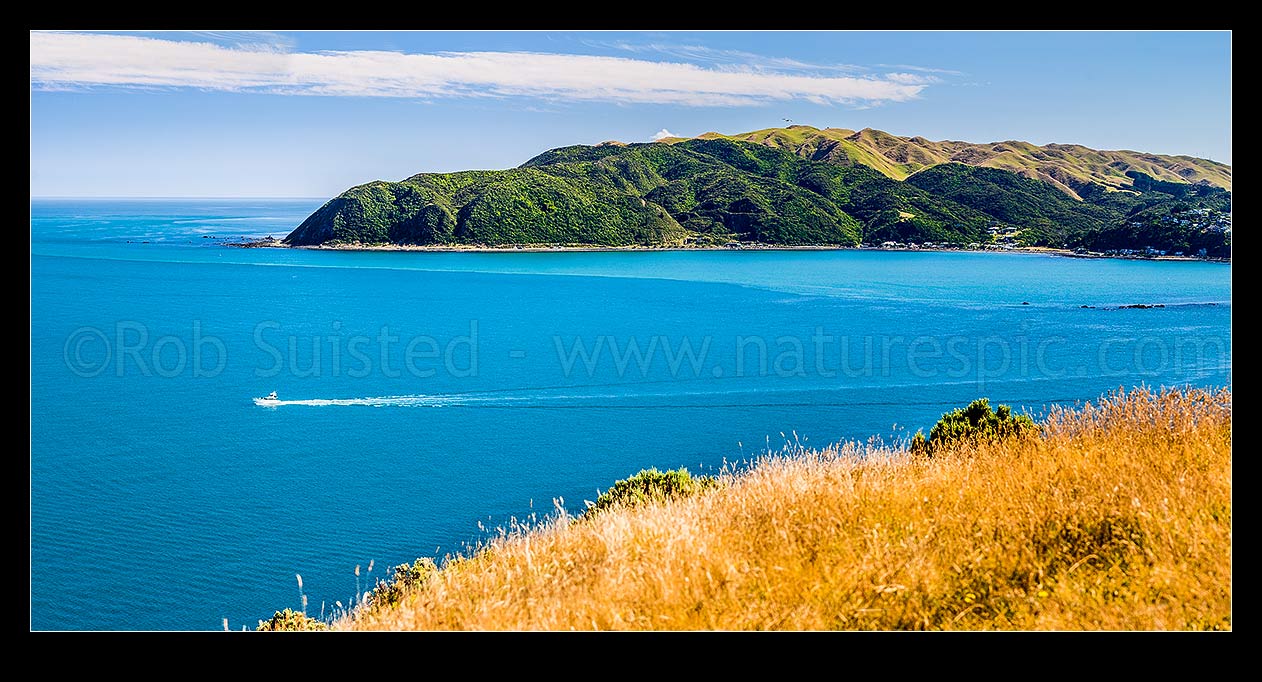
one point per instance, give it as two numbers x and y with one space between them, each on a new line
428 398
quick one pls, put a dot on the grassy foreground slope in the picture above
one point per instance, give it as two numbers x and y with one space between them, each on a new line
1117 516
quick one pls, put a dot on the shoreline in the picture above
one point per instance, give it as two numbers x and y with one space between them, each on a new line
588 248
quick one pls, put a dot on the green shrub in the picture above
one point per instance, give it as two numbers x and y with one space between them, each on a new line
975 423
651 485
919 444
291 621
405 579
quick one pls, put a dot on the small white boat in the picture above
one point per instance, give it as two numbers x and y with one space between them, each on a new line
269 399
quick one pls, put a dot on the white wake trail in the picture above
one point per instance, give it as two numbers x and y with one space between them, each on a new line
530 397
382 401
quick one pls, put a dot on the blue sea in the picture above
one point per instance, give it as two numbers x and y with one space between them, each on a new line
427 399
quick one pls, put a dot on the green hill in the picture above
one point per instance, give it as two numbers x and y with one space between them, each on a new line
1069 167
793 186
1048 214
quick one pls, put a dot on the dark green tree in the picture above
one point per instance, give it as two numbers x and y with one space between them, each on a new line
972 424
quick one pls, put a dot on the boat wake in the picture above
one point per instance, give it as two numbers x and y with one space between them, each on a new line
382 401
490 399
577 397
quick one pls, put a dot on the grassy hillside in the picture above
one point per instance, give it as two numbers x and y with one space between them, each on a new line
792 186
613 195
521 205
1048 215
1066 166
1116 516
700 192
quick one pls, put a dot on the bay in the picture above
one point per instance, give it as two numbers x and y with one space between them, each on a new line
429 398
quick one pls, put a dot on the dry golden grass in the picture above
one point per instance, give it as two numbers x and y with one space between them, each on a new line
1118 517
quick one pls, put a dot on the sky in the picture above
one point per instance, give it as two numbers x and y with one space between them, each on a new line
308 114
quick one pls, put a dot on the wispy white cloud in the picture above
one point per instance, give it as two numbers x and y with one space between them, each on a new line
912 78
922 69
663 133
246 39
79 60
706 54
702 53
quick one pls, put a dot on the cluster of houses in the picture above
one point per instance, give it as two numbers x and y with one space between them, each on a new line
1004 235
1002 238
975 246
1197 219
1146 252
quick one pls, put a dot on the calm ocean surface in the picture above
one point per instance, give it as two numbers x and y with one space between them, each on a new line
427 397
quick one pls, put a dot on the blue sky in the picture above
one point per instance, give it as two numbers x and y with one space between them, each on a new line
310 114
